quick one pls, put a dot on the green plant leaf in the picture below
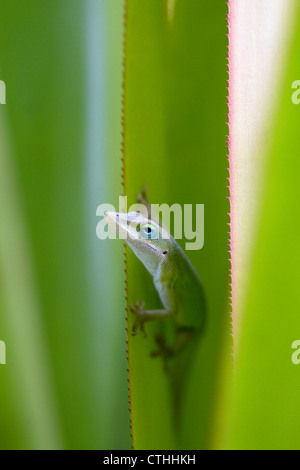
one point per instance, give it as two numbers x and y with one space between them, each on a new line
28 408
61 62
264 411
174 143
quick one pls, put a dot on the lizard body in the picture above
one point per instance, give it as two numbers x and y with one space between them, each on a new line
175 279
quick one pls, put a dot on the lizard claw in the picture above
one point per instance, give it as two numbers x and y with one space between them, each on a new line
142 197
138 310
164 351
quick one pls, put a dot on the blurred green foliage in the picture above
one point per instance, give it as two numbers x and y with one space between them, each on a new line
62 302
265 411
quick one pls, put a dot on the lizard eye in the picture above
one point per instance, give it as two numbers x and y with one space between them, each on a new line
148 231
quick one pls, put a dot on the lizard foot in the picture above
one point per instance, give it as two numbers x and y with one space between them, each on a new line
184 336
142 197
138 310
165 351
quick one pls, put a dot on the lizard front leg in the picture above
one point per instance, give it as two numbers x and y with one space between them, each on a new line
144 316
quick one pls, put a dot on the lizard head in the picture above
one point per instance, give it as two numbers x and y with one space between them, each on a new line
150 242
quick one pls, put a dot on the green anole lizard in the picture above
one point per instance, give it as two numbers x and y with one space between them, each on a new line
177 284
